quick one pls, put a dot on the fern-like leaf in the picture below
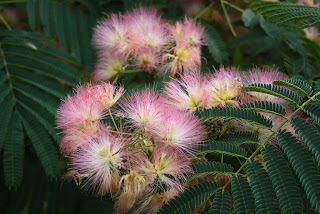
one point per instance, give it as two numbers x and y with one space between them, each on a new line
243 196
283 180
221 203
209 168
274 90
14 152
313 109
42 143
284 12
303 165
309 134
221 147
6 107
237 114
239 138
265 198
267 107
190 199
297 84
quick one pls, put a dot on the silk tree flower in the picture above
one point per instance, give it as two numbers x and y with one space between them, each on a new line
190 92
134 186
147 59
108 94
263 76
109 66
179 130
165 170
143 109
147 30
100 161
313 34
225 87
183 60
83 107
112 35
188 33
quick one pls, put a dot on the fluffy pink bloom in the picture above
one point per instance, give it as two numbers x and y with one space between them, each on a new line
108 94
143 109
109 66
100 161
87 105
146 30
184 59
188 33
112 35
189 92
180 130
225 87
81 108
147 59
73 138
312 33
308 3
264 76
166 170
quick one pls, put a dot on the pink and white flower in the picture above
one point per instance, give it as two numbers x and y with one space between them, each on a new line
190 92
100 161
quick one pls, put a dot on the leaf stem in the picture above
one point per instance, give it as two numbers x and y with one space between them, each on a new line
5 22
228 18
114 122
233 6
203 11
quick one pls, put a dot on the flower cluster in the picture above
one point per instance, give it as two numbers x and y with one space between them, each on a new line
139 148
142 40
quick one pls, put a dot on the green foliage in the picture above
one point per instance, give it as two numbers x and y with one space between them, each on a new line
221 147
34 78
190 199
221 203
266 107
209 168
283 12
71 21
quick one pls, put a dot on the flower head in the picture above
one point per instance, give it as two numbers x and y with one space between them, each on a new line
225 86
83 107
147 59
179 130
184 59
100 160
109 66
166 170
112 35
189 92
143 109
108 94
188 33
146 30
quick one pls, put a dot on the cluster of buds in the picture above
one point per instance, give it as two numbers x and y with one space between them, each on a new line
142 40
139 149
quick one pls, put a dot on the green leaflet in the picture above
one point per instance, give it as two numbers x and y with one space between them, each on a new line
208 168
190 199
221 203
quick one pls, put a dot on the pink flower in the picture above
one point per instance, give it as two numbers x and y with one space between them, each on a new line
225 87
100 160
184 59
179 130
81 108
109 66
143 109
147 59
190 92
112 35
108 94
146 30
166 170
87 105
188 33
